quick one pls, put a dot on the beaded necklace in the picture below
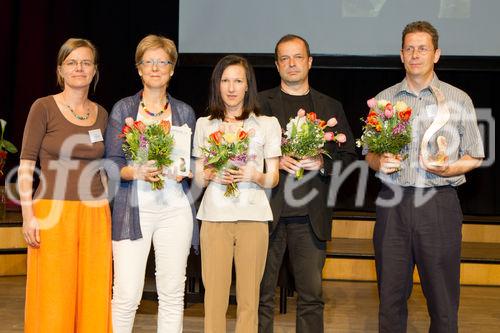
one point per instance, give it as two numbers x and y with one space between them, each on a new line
76 115
152 114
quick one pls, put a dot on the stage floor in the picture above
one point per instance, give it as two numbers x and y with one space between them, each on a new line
351 307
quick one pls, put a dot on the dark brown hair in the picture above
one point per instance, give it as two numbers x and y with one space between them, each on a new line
216 107
421 26
288 38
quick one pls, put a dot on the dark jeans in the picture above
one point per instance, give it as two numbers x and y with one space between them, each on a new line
307 257
428 236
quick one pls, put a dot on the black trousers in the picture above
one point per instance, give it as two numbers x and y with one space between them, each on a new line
307 257
427 234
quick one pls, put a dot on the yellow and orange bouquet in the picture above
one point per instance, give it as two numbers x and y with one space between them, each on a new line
227 149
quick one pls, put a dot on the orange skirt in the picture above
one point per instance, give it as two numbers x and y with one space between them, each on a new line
68 286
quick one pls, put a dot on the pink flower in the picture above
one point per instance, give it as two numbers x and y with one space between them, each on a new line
372 103
341 138
329 136
331 122
389 112
301 113
129 121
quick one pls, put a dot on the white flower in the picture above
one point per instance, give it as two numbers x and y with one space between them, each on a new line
3 122
298 121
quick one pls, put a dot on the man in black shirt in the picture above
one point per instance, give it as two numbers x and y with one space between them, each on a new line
301 216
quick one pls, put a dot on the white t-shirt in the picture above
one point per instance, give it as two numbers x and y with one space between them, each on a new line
252 203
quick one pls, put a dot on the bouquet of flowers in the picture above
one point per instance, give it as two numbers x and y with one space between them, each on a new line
227 149
305 136
5 147
142 143
386 128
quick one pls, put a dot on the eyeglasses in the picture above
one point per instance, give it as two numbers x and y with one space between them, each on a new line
74 63
420 50
157 62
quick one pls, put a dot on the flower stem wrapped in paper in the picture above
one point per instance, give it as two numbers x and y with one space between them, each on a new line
227 148
142 143
387 127
305 137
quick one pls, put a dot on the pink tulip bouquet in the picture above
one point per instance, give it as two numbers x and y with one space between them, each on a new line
305 136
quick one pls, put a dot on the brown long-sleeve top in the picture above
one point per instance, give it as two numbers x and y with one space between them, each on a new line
69 161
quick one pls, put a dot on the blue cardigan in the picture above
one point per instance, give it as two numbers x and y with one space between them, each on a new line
123 193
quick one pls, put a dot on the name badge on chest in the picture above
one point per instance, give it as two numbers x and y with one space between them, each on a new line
431 110
95 135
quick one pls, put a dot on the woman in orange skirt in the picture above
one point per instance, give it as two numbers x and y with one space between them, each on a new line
66 223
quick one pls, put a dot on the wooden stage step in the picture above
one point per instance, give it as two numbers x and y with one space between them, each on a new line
350 254
353 259
12 246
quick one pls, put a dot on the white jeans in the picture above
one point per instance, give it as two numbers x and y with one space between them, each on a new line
170 228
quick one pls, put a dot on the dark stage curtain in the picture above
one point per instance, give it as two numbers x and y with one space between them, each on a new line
32 32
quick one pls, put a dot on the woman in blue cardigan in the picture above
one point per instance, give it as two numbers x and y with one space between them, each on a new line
142 215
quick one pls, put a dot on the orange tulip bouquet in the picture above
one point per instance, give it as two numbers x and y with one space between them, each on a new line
227 148
387 127
142 143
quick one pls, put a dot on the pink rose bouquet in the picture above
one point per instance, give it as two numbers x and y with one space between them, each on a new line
305 136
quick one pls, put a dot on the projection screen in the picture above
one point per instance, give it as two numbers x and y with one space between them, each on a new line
336 27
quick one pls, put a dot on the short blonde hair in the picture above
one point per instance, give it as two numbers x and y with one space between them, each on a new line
152 42
69 46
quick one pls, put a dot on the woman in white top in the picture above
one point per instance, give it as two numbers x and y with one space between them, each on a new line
235 227
142 216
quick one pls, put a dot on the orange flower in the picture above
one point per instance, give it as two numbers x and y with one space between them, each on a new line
139 125
216 137
126 129
311 116
242 134
373 120
378 127
404 115
165 126
322 124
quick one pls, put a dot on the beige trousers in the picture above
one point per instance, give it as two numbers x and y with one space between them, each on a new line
246 242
